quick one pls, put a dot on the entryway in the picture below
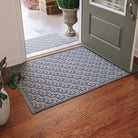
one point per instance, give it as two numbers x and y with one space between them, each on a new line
38 23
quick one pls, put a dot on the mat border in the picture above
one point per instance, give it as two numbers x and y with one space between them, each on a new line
34 111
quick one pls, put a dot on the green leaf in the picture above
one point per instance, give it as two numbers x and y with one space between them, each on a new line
3 64
14 79
3 96
1 85
68 4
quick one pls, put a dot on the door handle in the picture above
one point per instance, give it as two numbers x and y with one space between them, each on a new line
132 16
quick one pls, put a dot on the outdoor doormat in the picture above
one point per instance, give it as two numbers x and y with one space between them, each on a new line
46 42
57 78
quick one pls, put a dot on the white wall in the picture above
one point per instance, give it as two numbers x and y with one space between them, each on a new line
11 33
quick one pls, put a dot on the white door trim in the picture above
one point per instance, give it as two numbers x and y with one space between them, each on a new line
20 26
21 55
136 39
50 51
12 39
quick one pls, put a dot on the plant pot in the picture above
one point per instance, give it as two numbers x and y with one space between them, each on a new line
70 18
5 110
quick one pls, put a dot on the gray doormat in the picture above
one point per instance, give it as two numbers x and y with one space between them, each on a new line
46 42
57 78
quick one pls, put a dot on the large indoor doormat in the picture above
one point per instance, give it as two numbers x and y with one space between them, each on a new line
57 78
46 42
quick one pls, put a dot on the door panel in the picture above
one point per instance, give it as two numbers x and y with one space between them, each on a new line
109 34
99 27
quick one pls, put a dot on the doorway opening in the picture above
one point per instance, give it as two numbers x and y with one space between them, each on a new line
44 29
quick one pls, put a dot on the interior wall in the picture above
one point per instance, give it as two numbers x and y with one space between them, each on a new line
11 32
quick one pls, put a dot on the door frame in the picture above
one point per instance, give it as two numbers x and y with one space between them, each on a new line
57 49
136 39
50 51
135 43
14 44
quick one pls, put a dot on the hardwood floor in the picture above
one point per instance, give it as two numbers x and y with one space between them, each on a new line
136 60
110 111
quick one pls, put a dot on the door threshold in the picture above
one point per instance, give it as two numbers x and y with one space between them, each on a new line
54 50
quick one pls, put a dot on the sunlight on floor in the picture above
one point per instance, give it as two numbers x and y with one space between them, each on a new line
37 23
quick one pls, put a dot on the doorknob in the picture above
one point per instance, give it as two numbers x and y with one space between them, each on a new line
132 16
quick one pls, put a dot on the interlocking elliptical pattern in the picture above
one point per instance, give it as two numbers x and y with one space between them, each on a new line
46 42
54 79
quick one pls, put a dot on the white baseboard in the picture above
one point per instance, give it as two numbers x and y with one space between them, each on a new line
14 61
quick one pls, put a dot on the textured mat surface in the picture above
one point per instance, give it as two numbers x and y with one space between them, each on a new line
46 42
60 77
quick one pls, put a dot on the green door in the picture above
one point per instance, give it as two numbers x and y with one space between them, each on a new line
108 28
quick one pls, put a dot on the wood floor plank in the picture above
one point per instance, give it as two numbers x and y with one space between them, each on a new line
136 60
110 111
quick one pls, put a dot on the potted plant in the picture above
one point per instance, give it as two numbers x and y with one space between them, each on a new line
13 80
69 8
